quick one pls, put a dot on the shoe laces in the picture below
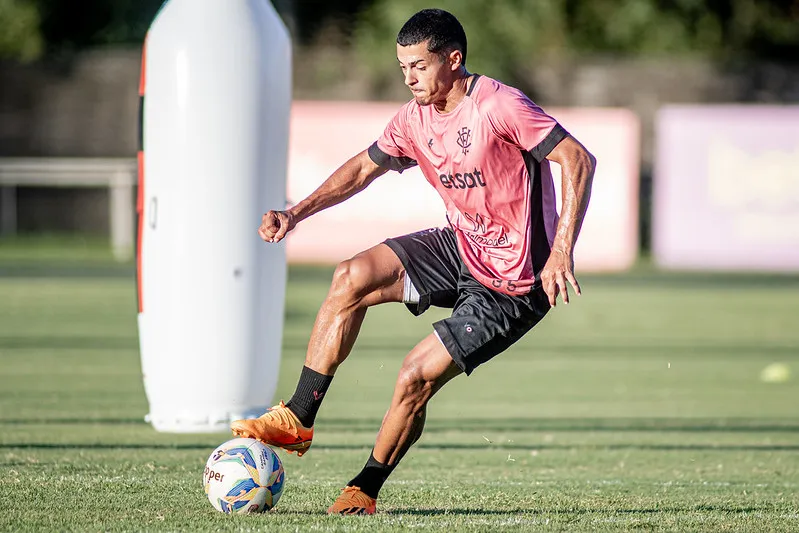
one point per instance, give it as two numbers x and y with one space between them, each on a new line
282 414
355 493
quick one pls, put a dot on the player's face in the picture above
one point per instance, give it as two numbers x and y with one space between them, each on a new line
428 78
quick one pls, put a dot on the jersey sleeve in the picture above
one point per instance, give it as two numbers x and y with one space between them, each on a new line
517 120
393 150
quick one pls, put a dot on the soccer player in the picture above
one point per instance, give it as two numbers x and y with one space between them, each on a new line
500 264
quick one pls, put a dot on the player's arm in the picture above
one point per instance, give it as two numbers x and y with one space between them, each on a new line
577 172
351 178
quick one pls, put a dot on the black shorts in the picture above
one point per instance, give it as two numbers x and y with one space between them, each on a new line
484 322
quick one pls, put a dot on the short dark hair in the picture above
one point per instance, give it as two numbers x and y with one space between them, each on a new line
439 28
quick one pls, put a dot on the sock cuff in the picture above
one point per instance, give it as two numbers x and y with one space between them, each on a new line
372 477
311 388
313 374
312 385
374 463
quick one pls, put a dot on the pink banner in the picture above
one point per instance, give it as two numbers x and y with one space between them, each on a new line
726 192
325 134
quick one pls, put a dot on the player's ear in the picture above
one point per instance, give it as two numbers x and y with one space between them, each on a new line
455 59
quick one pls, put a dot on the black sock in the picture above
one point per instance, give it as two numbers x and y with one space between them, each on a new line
308 396
372 477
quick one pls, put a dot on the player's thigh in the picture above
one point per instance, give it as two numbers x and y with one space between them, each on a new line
377 274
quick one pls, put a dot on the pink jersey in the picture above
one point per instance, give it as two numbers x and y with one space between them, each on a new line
487 160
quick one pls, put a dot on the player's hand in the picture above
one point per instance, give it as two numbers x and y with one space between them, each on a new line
558 270
275 225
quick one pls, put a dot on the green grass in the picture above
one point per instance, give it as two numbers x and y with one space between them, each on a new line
638 407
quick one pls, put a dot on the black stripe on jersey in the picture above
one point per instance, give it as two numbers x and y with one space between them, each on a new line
390 162
549 143
539 243
474 82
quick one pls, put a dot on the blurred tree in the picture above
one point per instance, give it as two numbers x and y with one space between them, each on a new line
102 22
95 23
644 27
506 37
313 15
20 38
722 29
767 29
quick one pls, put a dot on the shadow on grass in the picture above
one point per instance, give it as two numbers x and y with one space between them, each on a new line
430 446
699 425
480 425
522 512
139 421
526 512
68 269
372 348
643 274
64 342
102 446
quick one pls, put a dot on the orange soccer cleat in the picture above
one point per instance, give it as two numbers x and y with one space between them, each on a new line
277 427
353 501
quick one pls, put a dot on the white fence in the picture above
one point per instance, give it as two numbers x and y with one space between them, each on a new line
119 175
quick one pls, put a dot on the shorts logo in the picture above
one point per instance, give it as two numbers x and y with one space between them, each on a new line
468 328
464 139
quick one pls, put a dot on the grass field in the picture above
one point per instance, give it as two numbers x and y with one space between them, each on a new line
638 407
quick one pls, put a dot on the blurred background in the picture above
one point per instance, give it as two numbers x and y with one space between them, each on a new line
665 397
70 80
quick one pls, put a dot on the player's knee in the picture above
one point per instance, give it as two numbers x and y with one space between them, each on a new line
414 389
352 279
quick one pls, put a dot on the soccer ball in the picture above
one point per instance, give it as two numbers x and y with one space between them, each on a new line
243 476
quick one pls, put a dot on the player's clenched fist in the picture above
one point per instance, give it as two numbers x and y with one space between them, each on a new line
275 225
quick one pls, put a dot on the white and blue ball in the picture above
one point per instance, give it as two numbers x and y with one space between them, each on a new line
243 476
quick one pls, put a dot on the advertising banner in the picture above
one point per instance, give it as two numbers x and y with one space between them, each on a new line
726 188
